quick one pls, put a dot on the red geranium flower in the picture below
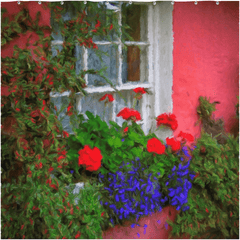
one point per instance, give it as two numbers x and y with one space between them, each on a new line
186 136
125 129
154 145
111 27
168 120
91 158
127 114
175 145
139 90
110 98
65 134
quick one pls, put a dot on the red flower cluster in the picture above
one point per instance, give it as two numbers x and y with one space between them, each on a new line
91 158
186 136
175 145
139 90
127 114
110 98
154 145
97 26
65 134
125 130
168 120
69 110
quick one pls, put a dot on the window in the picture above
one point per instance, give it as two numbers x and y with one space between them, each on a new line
145 61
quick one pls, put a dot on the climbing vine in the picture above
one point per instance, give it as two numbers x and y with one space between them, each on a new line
31 146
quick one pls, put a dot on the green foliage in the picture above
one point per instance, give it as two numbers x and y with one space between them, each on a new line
215 189
30 143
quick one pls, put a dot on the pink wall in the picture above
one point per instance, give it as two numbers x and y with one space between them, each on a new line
12 9
205 60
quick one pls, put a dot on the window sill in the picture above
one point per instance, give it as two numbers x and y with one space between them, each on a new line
128 86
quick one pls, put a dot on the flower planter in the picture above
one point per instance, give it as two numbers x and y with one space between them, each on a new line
157 227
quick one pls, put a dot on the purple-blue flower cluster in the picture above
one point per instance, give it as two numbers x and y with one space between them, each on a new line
178 195
127 187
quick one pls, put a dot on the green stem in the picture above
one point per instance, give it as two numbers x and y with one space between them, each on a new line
135 102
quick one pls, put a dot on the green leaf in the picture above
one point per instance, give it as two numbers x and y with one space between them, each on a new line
136 152
89 115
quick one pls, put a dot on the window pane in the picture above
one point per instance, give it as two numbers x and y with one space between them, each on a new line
65 121
135 65
91 103
79 56
135 16
109 61
107 17
55 50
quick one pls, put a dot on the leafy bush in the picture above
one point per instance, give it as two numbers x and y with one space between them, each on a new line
214 198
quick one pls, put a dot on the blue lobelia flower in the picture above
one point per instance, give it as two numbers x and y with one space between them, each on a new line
121 190
145 225
158 173
117 198
174 168
123 140
159 221
144 232
71 171
137 158
138 234
133 225
178 208
185 208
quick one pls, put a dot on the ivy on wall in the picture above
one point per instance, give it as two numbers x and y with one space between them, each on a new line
30 146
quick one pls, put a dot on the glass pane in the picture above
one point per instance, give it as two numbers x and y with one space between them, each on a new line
135 16
70 13
107 17
58 102
109 61
135 65
91 103
55 50
79 56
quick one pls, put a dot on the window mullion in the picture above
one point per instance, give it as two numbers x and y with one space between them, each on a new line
85 62
146 111
157 109
120 47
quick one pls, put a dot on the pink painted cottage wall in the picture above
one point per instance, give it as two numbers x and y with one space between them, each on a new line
205 61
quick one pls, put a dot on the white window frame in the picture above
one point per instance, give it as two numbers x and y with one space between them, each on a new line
160 62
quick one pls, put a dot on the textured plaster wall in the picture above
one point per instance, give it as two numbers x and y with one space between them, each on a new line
205 60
